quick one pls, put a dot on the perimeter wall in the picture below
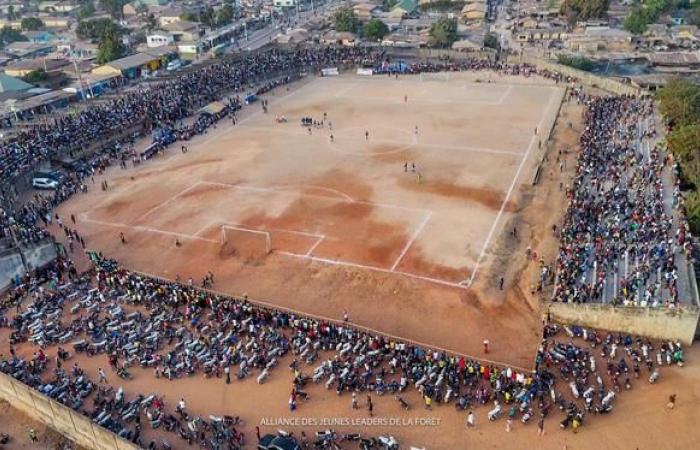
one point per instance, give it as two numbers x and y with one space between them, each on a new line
71 424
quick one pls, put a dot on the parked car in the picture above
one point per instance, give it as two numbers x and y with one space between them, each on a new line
175 64
44 183
52 174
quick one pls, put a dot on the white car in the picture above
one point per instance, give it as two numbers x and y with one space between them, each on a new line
44 183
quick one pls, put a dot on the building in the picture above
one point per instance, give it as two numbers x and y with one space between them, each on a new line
40 36
405 8
15 6
183 31
24 67
11 84
132 66
540 35
159 39
595 39
339 38
23 49
81 50
284 3
168 16
57 6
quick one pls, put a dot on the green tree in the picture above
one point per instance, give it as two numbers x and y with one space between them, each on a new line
375 29
208 17
345 20
95 29
692 211
87 10
36 76
679 102
31 24
110 47
443 32
388 5
225 15
491 41
188 16
115 8
577 62
580 10
9 35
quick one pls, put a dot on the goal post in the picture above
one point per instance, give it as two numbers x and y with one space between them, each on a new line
247 240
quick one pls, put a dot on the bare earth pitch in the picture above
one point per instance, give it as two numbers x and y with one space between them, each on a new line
405 251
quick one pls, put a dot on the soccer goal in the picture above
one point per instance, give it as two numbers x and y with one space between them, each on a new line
247 242
435 76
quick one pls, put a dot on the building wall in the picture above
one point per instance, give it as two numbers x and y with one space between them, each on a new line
10 267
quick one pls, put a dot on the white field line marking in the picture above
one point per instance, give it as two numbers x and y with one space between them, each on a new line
510 189
160 205
410 241
148 229
334 262
313 247
284 191
505 95
406 145
323 188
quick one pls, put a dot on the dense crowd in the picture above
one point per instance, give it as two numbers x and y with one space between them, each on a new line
177 330
623 231
162 105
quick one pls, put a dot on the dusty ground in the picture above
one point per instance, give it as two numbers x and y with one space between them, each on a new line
17 425
348 226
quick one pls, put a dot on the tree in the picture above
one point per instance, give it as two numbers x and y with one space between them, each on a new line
115 8
110 47
87 10
11 13
345 20
375 30
36 76
31 24
579 10
95 29
679 102
208 17
388 5
9 35
225 15
577 62
491 41
188 16
443 32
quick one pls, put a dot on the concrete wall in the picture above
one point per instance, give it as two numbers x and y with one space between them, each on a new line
69 423
676 324
10 266
40 255
585 78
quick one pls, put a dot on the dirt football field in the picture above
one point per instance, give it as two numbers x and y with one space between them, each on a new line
391 210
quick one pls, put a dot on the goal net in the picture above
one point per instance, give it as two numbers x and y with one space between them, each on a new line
436 76
244 242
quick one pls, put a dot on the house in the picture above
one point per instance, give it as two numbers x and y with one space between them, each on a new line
405 8
40 36
24 67
183 31
15 6
81 50
90 85
168 16
57 6
133 8
474 11
404 40
540 34
293 37
284 3
11 84
365 11
595 39
132 66
339 38
190 50
159 39
23 49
